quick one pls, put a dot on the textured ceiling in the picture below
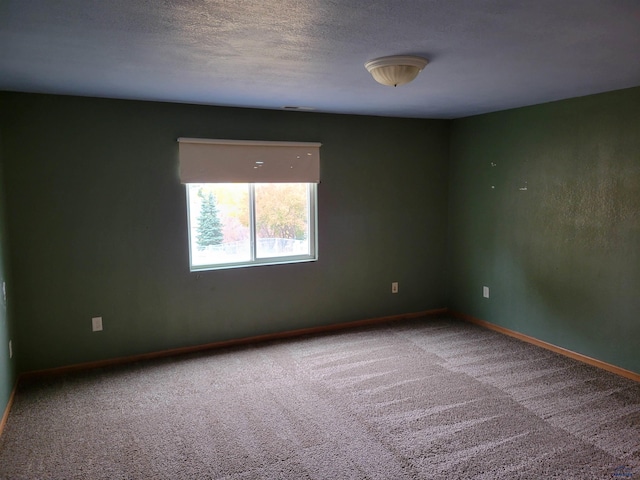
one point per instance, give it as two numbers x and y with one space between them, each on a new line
485 55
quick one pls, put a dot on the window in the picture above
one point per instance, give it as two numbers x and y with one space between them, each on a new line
250 203
241 224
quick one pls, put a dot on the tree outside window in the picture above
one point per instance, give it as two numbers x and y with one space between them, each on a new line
247 224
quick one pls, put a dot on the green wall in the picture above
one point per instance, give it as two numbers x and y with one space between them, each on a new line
541 204
7 365
98 226
545 210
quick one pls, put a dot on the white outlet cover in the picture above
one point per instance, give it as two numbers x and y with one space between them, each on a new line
96 324
10 350
485 292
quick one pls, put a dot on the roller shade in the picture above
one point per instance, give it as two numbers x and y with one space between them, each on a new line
240 161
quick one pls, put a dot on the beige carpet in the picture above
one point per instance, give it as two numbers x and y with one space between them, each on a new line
426 399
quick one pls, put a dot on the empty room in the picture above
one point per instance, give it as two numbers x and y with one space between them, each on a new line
319 239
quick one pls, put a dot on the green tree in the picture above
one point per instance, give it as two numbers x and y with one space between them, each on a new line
209 229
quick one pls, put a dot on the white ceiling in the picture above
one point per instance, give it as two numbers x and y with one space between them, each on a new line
485 55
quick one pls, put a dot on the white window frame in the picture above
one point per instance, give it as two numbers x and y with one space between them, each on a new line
250 162
312 213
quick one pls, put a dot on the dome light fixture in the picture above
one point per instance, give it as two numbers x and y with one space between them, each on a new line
395 70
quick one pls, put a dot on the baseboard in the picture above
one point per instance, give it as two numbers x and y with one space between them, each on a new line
549 346
234 343
5 416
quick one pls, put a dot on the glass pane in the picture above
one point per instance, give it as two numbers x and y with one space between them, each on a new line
219 223
282 219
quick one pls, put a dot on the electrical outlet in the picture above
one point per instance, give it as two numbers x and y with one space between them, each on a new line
394 287
10 350
485 292
96 324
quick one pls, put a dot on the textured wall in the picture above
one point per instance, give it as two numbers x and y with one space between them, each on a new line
7 365
98 223
545 210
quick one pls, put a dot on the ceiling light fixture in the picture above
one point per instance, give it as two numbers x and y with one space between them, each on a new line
395 70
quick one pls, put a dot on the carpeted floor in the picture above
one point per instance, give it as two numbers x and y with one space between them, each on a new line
425 399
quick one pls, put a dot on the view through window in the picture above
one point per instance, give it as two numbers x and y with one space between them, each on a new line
242 224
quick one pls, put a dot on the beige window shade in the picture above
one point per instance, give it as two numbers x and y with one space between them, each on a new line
234 161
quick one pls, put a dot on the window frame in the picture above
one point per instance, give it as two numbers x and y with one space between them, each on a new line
255 261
